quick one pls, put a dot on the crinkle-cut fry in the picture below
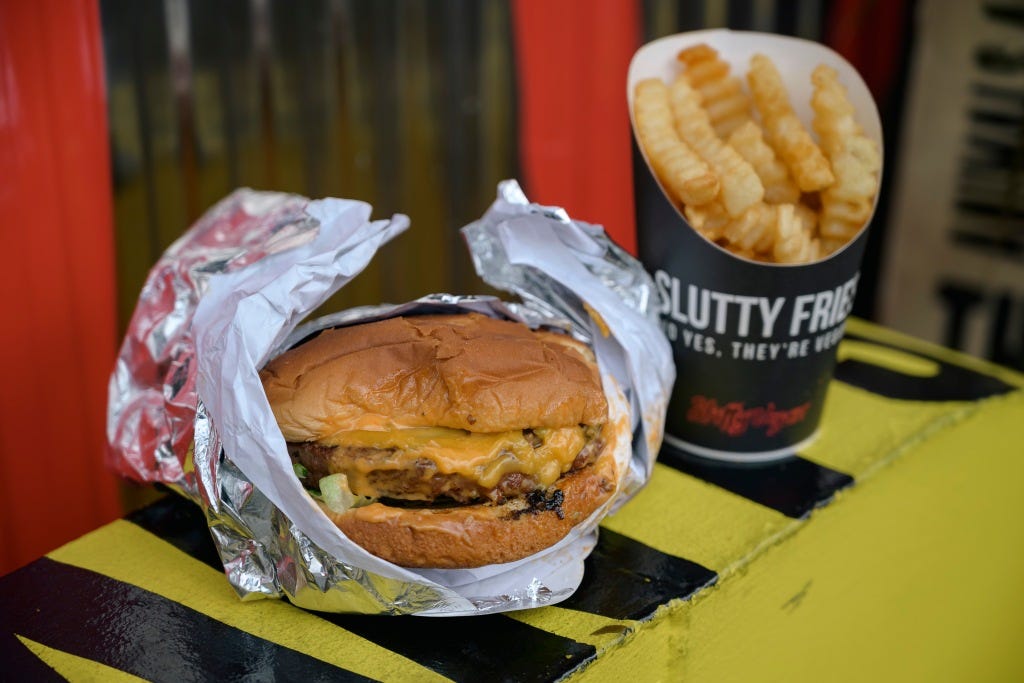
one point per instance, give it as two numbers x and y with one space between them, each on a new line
842 220
830 246
816 252
725 126
748 254
709 220
719 91
748 236
807 217
754 230
834 114
855 213
793 244
728 107
866 151
687 176
854 181
703 59
786 134
749 143
856 160
724 98
830 229
740 186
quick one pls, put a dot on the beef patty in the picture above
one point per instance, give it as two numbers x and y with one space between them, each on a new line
421 480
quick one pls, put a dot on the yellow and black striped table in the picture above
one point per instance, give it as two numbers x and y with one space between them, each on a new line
891 549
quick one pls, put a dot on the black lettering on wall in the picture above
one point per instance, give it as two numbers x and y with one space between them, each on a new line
989 201
1001 313
957 300
1006 332
1011 13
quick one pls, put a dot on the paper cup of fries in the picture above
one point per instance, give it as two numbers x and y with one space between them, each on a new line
757 165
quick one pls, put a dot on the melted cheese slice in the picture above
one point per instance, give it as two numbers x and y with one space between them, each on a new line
484 458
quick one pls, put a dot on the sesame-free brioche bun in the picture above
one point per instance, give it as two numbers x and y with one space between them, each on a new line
473 440
460 371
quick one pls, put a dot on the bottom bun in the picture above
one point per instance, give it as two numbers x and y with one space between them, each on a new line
476 535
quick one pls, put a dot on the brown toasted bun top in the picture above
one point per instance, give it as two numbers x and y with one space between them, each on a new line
461 371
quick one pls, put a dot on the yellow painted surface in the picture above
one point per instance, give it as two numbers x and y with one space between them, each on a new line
862 431
915 574
913 344
593 629
130 554
651 654
886 357
75 668
683 516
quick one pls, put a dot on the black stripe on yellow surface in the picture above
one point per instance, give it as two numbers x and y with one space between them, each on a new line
950 383
625 579
493 647
182 524
793 486
125 627
18 663
483 648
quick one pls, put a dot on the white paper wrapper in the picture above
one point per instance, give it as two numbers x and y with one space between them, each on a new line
272 537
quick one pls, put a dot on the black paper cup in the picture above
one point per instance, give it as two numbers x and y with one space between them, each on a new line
754 343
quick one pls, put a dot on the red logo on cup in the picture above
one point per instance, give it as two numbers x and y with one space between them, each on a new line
735 419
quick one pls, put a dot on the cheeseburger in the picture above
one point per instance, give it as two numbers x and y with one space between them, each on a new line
446 440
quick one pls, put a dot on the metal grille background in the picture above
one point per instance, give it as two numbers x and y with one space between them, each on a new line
407 104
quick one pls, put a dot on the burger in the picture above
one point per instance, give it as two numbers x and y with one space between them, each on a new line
447 441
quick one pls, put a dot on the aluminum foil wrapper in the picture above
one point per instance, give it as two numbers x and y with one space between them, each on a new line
152 392
570 268
187 407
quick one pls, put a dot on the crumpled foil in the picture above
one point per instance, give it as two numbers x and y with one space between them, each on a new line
152 393
186 407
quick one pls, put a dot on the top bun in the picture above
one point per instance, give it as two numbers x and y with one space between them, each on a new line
464 371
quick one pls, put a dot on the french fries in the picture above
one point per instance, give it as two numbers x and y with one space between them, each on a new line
856 160
744 170
793 243
685 173
740 186
726 102
709 220
779 188
753 231
786 133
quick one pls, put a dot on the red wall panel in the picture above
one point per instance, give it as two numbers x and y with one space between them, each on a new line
56 275
574 137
